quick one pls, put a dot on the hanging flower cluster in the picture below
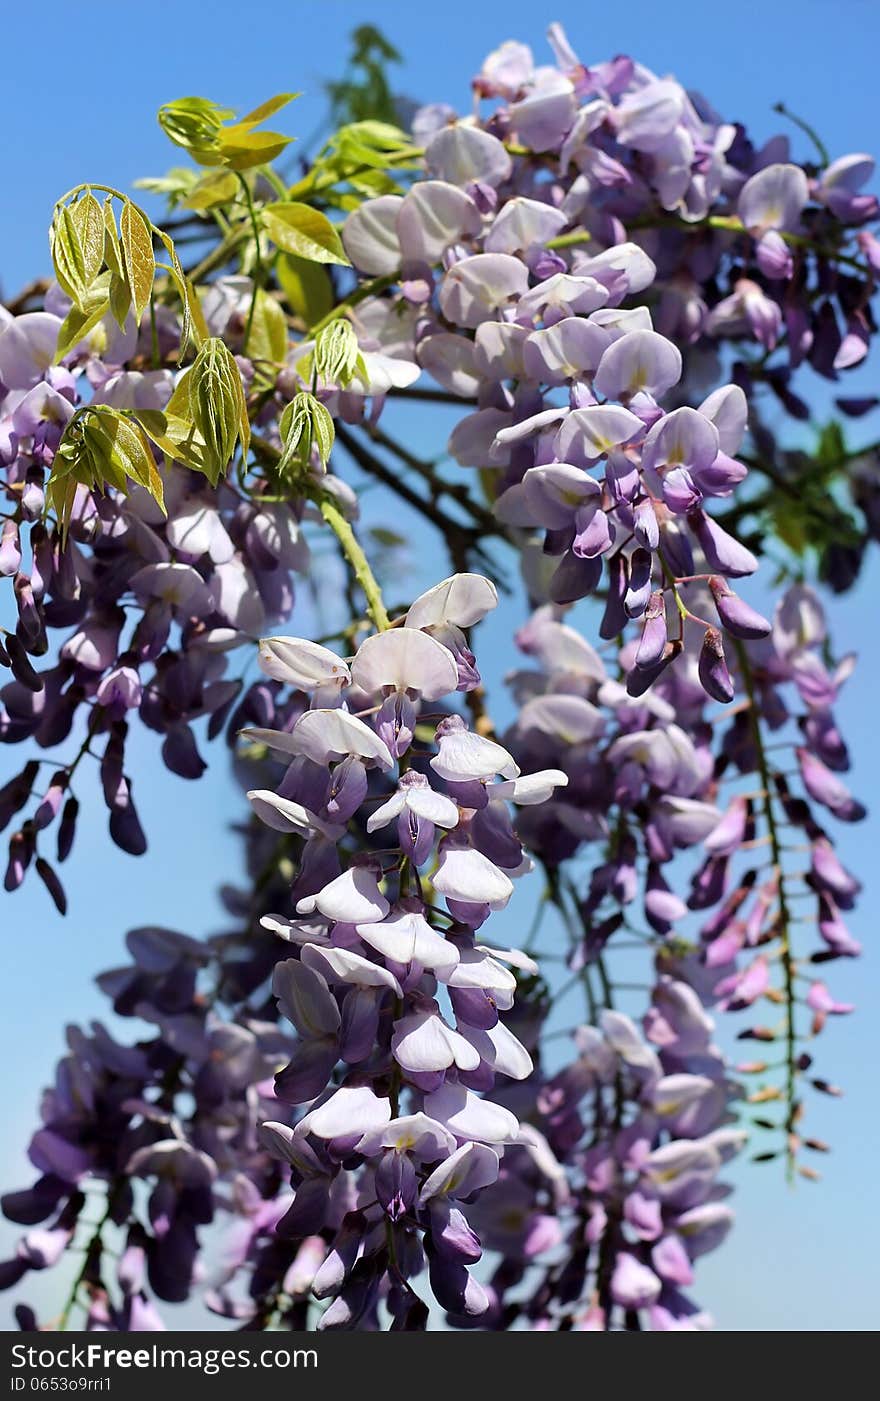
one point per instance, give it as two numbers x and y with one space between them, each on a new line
359 1090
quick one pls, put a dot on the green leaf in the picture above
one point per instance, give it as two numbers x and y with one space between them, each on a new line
76 241
241 148
268 109
176 437
193 325
217 406
268 339
81 319
137 252
88 219
120 300
112 249
101 447
194 123
217 187
306 286
337 358
305 424
297 228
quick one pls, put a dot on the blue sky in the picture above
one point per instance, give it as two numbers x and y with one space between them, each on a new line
84 86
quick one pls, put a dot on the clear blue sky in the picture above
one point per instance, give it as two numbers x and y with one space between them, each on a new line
81 89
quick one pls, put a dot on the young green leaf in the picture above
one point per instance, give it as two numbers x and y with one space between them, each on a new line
336 357
241 149
194 123
84 316
216 188
297 228
101 447
217 405
304 424
268 109
137 251
76 241
268 337
306 286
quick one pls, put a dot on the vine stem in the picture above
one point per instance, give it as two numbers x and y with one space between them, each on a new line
93 1247
785 950
357 559
258 258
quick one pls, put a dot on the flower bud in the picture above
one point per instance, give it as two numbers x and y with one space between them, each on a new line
217 405
653 639
736 616
304 424
712 668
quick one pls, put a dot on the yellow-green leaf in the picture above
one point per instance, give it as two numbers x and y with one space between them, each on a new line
268 109
217 187
297 228
137 251
268 337
241 149
305 424
80 320
89 221
306 286
216 404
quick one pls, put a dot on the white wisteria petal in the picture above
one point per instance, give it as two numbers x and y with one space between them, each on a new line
408 938
432 806
462 599
370 235
728 409
335 734
196 529
467 875
588 434
773 198
449 359
476 288
470 1117
300 663
405 659
284 815
563 292
523 223
516 958
478 968
338 965
387 811
530 788
569 718
498 350
641 361
621 1033
179 585
464 756
435 214
288 1144
351 1110
637 268
423 1042
502 1050
468 1169
417 1134
555 492
464 155
301 931
352 896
